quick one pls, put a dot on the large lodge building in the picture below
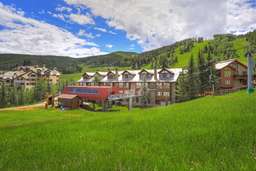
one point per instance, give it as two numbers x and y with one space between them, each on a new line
159 84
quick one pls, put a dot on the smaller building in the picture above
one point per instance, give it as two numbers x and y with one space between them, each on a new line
69 101
232 74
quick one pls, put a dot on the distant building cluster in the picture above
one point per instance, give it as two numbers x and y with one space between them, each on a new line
27 76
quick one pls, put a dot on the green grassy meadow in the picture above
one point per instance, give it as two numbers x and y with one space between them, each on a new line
211 133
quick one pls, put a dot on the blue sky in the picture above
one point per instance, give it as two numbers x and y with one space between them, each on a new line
81 28
39 9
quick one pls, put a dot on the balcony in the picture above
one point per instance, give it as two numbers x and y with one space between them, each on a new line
240 76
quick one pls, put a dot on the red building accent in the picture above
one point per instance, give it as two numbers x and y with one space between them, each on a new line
92 93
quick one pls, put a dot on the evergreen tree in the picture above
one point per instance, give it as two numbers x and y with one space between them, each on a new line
213 79
3 95
203 73
182 88
192 79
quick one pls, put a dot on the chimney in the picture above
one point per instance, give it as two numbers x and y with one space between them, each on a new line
155 72
116 73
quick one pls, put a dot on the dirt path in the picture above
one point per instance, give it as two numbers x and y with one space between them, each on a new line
28 107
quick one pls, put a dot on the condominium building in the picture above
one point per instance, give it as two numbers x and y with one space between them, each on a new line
27 76
151 87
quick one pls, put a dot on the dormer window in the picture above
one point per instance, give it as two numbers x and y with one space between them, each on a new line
165 75
145 75
111 76
33 75
127 75
86 76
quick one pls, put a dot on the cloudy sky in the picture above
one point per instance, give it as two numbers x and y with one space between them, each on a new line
80 28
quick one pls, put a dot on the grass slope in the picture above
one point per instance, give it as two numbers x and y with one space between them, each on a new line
212 133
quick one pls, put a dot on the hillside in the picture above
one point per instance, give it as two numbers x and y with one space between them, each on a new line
63 64
221 47
119 59
211 133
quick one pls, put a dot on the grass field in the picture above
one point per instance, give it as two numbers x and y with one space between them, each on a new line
212 133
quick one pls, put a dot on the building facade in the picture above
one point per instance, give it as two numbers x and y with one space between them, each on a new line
151 87
27 76
232 75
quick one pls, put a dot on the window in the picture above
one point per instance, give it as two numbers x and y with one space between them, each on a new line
165 75
111 76
227 73
126 76
138 85
227 82
143 76
167 94
159 93
126 85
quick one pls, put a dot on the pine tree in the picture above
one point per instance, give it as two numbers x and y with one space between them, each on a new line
203 73
3 95
213 79
192 79
182 87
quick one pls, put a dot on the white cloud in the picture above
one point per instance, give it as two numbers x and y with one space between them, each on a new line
241 17
81 19
63 9
101 29
98 35
109 46
24 35
59 16
157 23
111 32
105 30
85 34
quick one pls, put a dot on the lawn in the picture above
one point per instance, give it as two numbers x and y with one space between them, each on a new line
211 133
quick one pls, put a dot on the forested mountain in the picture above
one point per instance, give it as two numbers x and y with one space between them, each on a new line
119 59
63 64
221 47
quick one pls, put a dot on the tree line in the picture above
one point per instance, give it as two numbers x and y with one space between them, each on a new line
18 95
199 78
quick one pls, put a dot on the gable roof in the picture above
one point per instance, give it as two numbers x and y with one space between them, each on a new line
222 64
12 74
165 69
67 96
148 71
136 76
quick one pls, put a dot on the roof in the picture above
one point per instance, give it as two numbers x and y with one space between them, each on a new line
136 76
55 72
67 96
222 64
11 74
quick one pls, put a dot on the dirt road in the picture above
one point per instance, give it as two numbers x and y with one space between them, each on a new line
28 107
